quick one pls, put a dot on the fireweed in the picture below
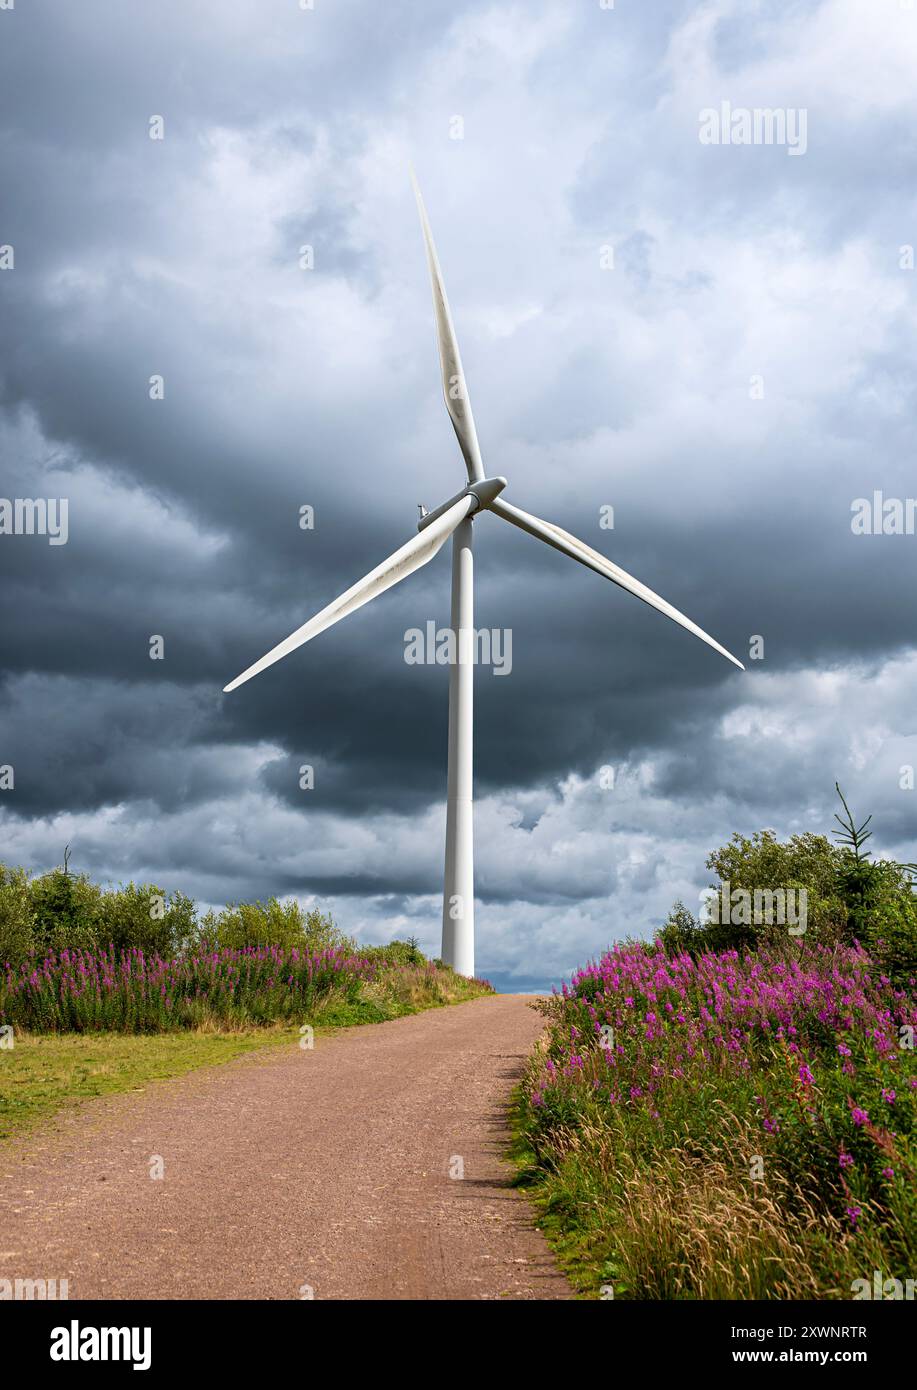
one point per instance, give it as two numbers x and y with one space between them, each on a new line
795 1076
82 991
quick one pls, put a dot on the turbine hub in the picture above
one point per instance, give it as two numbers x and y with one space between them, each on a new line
483 490
486 490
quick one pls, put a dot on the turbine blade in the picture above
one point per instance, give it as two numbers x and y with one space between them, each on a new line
577 550
455 390
412 556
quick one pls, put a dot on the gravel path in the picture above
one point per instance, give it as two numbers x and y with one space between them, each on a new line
327 1169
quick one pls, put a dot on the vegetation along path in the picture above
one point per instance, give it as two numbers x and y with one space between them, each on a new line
367 1167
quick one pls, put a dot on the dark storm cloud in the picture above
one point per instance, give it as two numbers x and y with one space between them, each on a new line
85 744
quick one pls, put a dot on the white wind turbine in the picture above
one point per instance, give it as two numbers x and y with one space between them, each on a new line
454 518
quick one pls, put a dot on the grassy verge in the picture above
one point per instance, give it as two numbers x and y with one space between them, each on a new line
564 1236
683 1226
44 1073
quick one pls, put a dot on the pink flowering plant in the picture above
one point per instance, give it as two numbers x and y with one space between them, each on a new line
86 991
801 1062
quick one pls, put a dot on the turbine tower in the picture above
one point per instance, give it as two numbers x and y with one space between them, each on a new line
455 518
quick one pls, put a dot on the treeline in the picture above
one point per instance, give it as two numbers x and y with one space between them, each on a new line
62 910
849 897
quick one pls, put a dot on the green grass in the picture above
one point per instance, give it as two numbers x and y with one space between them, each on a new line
542 1189
44 1074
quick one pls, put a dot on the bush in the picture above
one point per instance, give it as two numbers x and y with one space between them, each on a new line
883 913
849 898
66 909
15 915
145 918
762 862
396 953
681 931
63 911
273 923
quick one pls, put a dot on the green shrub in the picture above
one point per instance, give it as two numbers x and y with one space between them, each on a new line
850 897
883 913
15 916
395 953
272 924
681 931
762 862
143 916
61 910
892 939
66 910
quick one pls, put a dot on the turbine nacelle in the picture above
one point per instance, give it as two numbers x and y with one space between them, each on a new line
484 491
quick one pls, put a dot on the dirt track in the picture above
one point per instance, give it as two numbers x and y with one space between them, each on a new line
327 1168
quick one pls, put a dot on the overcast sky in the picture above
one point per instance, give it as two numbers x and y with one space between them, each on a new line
743 373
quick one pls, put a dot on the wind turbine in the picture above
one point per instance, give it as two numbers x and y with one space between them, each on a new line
454 518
